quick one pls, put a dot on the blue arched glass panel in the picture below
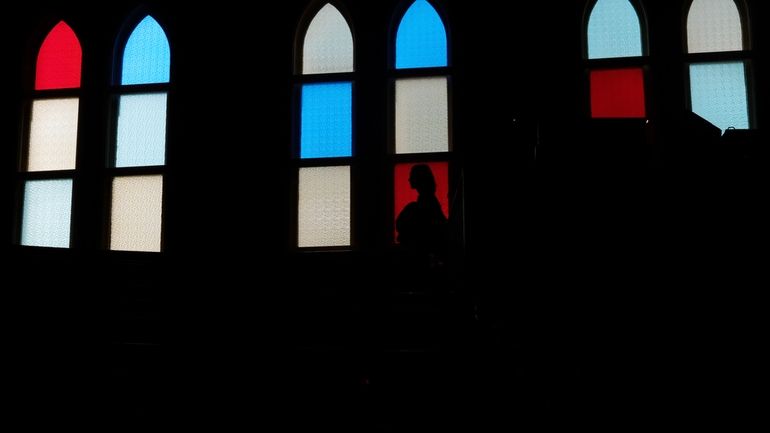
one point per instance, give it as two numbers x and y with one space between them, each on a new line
421 38
614 30
147 56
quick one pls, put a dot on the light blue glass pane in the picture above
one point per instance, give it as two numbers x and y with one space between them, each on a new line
147 56
327 120
141 130
421 38
614 30
46 213
718 94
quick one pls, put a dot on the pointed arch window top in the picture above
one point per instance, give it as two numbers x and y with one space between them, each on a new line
421 40
713 26
614 30
328 44
59 60
146 56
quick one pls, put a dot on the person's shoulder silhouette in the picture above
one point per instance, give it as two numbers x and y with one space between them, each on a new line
422 225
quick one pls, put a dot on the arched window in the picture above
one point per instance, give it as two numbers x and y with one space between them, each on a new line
614 48
422 107
139 150
325 138
718 63
50 146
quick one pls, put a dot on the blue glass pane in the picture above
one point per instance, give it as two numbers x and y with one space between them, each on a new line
614 30
141 130
718 94
327 120
46 214
421 38
147 56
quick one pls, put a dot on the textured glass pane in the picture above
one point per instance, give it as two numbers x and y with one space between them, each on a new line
617 93
147 56
718 94
421 38
404 194
714 25
53 135
614 30
46 214
137 203
324 207
327 120
59 59
328 43
422 115
141 130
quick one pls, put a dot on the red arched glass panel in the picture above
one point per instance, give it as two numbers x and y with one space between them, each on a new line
59 59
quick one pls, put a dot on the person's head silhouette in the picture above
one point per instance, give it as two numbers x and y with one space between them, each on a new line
421 179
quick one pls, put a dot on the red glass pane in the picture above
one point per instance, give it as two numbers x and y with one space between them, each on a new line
404 194
617 93
58 62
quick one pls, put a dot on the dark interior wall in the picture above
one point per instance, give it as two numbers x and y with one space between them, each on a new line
604 273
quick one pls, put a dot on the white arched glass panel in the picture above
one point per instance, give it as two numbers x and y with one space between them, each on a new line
713 26
328 45
614 30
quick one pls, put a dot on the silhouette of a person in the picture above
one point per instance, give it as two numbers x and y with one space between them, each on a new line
422 225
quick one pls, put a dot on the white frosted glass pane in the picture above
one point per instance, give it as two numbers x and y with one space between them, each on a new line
324 207
422 115
328 43
46 213
718 94
136 219
53 135
614 30
141 130
714 25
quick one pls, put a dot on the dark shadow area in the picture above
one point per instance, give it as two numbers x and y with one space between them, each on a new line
592 272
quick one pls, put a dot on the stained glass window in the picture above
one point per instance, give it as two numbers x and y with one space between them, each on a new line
324 206
47 212
614 31
146 56
328 46
421 40
325 132
421 103
718 89
713 26
327 120
59 60
617 93
718 94
51 145
136 217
